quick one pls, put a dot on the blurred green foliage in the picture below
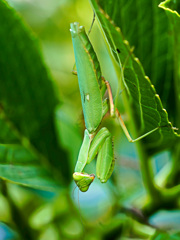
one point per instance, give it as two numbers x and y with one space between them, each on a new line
40 138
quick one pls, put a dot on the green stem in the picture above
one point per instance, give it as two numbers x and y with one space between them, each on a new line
158 198
173 178
147 174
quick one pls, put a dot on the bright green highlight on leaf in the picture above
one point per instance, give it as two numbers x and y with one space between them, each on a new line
171 6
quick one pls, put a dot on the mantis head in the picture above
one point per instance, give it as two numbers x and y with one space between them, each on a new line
83 180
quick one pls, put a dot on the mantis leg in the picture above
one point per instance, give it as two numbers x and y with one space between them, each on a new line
118 115
102 147
105 161
115 112
83 153
97 143
83 180
111 102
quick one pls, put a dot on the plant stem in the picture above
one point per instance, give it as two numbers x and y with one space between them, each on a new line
173 178
159 198
147 173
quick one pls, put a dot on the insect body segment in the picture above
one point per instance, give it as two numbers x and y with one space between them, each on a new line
89 77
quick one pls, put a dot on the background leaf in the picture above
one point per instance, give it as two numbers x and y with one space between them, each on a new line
146 27
21 166
165 236
147 108
27 96
172 8
115 205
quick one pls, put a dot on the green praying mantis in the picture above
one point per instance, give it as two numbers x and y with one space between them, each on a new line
92 89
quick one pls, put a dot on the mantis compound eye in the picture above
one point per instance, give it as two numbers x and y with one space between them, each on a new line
83 180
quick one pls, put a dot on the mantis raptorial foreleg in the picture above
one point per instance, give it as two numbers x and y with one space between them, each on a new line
104 169
100 145
92 89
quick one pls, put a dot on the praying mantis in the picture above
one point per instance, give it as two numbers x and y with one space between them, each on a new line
92 89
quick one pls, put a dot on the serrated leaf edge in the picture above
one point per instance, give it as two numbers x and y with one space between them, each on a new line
137 60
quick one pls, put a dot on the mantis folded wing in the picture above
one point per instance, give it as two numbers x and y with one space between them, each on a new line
92 89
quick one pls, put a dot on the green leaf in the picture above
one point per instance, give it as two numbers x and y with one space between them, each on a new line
146 105
8 133
165 236
19 165
146 27
172 8
28 101
29 176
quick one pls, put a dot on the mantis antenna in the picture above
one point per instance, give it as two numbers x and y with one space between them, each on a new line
94 17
